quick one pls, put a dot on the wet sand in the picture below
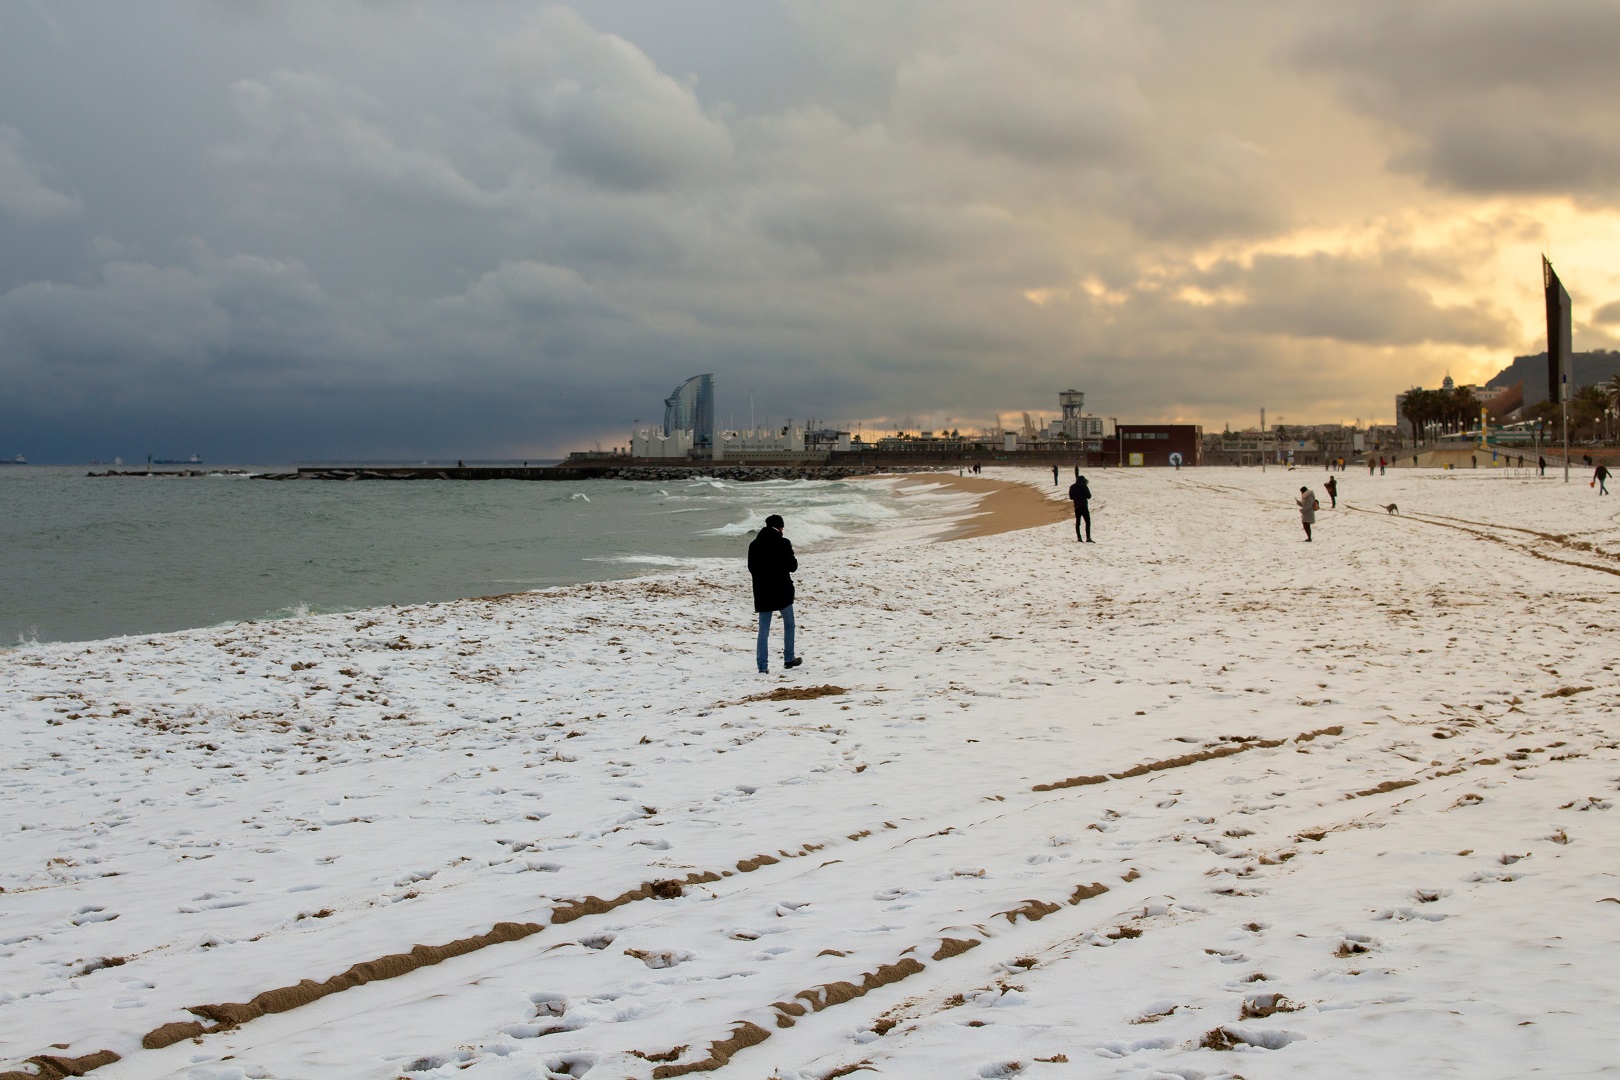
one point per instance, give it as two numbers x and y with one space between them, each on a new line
1003 506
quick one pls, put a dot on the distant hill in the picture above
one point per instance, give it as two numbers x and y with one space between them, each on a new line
1589 368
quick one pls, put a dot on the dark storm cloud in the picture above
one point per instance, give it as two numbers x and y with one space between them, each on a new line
1608 314
1496 96
24 192
606 113
1036 98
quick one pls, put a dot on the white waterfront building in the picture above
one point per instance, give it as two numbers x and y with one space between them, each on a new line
653 443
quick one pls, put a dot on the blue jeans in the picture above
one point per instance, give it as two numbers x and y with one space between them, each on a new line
762 649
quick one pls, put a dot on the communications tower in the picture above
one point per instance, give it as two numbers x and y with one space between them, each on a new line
1073 403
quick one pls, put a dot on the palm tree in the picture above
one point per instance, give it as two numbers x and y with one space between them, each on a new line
1611 396
1586 408
1421 408
1611 391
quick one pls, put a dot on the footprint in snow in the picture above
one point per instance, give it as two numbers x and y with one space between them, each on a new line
88 915
893 894
661 958
1406 914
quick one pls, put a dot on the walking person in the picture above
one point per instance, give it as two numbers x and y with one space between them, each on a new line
1332 488
1054 476
1381 465
1371 464
770 562
1080 495
1599 475
1541 464
1307 510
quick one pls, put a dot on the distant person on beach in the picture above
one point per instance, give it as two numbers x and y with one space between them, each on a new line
1599 475
1307 510
1054 476
1332 488
1371 464
1381 465
1080 495
770 562
1541 465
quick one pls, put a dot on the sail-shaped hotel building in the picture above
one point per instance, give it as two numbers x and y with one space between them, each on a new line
691 408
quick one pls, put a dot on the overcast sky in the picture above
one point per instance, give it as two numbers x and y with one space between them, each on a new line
268 231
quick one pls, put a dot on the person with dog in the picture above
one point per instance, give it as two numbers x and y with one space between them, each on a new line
1307 510
770 563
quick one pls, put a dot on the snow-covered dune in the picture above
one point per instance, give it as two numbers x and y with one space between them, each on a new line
1196 800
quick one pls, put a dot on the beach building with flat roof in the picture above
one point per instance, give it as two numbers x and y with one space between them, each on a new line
1155 444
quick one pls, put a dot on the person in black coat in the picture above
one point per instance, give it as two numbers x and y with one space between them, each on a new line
1080 495
770 562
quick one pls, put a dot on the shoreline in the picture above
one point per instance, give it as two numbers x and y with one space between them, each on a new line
899 521
1004 505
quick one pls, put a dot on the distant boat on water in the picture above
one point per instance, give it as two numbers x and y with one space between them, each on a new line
18 460
192 460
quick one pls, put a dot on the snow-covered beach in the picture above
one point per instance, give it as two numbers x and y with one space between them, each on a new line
1197 800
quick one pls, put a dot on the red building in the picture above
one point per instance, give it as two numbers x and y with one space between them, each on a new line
1153 444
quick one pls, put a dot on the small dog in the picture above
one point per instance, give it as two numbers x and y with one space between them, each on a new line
1391 508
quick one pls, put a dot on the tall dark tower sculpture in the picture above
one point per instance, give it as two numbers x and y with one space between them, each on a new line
1559 358
1558 335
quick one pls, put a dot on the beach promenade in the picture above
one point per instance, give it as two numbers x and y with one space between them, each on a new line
1196 800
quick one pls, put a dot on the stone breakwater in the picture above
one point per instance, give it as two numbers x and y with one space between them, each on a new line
745 473
740 473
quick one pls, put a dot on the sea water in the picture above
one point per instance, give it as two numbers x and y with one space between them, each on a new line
85 558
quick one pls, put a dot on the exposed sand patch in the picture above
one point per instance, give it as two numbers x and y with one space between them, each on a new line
1002 507
1237 746
52 1067
797 693
784 1014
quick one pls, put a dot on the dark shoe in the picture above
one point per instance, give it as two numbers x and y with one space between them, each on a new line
1089 540
795 662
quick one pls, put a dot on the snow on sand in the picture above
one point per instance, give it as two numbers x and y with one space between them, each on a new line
1197 800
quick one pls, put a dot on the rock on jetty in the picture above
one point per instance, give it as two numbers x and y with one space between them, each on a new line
740 473
168 472
743 473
